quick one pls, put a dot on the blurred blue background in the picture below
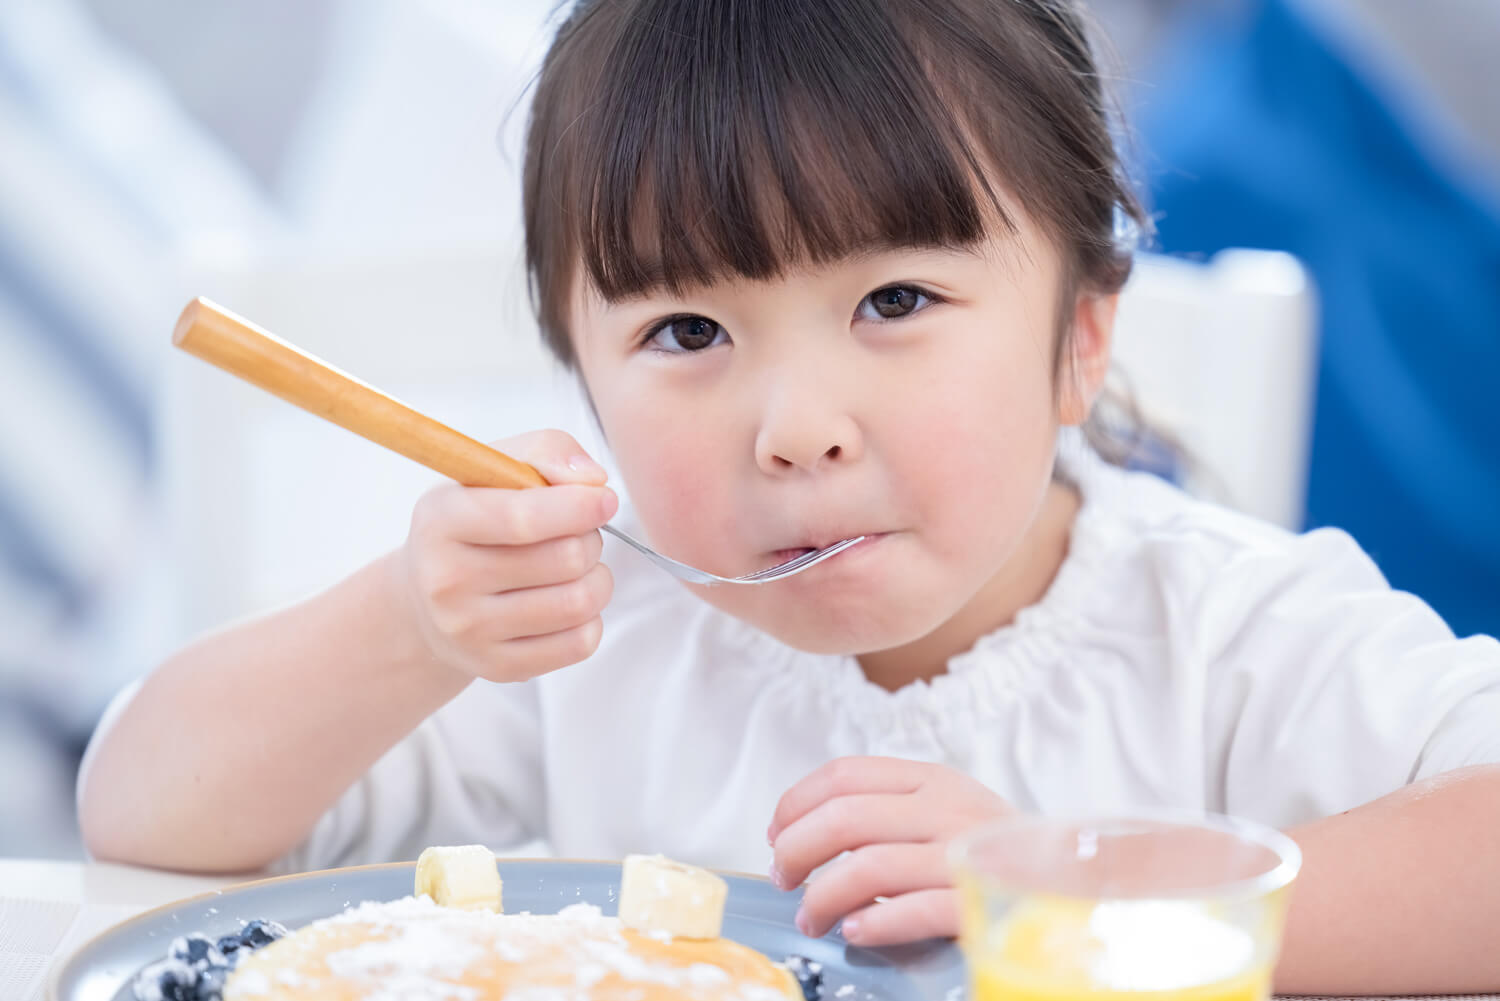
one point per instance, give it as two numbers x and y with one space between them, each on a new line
144 143
1362 138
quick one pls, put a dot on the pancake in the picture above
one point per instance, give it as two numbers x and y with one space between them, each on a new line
412 949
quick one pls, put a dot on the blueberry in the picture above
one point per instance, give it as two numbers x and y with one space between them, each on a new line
258 933
166 980
198 951
197 966
211 983
809 974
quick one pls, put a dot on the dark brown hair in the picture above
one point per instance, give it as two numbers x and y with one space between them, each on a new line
672 142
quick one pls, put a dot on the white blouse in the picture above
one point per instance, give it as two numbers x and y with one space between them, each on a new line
1185 656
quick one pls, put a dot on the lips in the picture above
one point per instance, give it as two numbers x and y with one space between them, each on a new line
792 552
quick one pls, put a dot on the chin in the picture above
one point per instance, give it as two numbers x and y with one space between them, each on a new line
856 603
865 628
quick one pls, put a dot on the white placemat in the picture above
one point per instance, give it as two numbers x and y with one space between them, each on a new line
36 933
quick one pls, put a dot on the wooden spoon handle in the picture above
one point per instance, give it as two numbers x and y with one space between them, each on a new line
265 360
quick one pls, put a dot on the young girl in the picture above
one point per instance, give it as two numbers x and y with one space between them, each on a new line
828 270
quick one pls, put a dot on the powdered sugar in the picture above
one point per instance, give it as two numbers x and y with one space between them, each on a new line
251 982
419 951
422 948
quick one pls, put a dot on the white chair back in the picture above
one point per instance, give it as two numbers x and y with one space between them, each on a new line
1222 356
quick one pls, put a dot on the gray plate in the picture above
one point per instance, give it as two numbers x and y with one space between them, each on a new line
758 915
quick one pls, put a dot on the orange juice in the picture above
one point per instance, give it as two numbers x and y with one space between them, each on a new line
1057 949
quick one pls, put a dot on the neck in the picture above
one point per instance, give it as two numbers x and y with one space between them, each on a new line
1021 582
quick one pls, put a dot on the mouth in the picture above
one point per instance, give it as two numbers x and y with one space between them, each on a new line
781 556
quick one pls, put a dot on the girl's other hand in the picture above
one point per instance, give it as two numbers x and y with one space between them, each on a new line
895 819
506 584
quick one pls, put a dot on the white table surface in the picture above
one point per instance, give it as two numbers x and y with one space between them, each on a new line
49 909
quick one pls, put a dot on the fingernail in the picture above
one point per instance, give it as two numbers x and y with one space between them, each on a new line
802 923
583 464
771 835
850 929
777 879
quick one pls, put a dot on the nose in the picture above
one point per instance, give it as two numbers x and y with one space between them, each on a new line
803 430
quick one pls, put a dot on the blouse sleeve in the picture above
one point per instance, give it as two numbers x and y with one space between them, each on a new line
469 774
1326 689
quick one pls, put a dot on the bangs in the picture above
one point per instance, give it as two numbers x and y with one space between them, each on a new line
751 137
674 143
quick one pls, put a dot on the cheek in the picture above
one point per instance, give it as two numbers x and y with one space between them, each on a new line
675 476
981 450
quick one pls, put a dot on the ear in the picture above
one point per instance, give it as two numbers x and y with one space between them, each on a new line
1086 362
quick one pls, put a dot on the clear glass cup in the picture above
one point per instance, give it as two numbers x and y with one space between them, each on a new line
1155 906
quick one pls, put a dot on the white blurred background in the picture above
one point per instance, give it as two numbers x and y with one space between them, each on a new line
315 164
344 172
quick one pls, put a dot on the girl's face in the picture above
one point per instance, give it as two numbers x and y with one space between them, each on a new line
908 396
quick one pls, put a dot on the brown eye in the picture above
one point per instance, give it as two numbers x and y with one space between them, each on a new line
893 302
684 334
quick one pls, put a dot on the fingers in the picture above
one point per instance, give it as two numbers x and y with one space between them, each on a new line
487 516
530 656
578 502
507 584
844 777
843 824
540 611
469 569
520 634
856 880
910 917
882 826
481 621
554 454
